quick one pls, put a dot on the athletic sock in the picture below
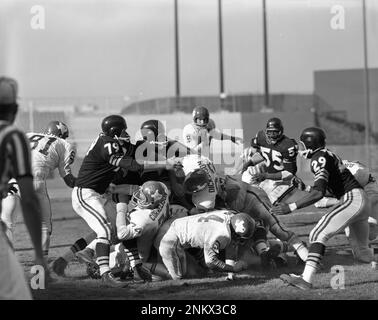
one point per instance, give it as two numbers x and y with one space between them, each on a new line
102 253
132 252
301 250
315 255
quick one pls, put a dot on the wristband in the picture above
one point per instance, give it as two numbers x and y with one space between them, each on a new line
308 189
292 206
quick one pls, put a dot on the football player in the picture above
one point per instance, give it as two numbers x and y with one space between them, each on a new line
50 150
213 232
239 196
198 134
272 160
329 174
104 158
366 179
15 161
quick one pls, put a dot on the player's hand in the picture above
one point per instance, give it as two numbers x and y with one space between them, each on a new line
258 177
239 266
298 183
280 209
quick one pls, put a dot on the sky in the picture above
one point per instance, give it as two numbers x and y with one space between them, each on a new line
126 47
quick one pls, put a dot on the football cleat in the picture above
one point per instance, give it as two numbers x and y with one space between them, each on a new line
296 281
58 266
86 255
141 273
109 280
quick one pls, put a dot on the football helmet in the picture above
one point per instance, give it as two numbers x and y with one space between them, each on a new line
311 140
200 116
243 226
274 130
195 181
58 129
153 130
113 125
150 195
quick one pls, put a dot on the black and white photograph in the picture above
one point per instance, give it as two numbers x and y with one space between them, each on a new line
201 151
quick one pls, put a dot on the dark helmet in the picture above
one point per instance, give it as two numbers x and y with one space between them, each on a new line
151 194
312 139
196 181
156 127
113 125
243 226
58 129
274 130
201 113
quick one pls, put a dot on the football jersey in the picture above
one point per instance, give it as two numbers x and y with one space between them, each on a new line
203 199
15 158
194 135
331 174
204 230
100 164
48 153
146 151
148 221
279 156
360 172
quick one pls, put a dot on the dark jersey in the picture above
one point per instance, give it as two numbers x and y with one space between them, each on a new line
146 151
331 174
100 164
278 157
15 158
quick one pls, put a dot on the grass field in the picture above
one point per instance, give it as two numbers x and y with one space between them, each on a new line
361 282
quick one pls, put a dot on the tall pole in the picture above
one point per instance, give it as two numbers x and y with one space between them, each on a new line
266 71
177 53
220 34
367 88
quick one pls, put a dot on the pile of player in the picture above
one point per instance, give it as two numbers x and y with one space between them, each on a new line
159 210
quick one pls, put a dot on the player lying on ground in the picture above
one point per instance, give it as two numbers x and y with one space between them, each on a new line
209 190
213 232
353 210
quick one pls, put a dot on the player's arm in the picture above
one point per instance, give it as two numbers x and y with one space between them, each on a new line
218 135
65 166
126 231
31 210
321 168
211 252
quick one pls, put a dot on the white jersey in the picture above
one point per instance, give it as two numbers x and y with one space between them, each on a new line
48 153
200 137
360 172
204 199
204 230
148 221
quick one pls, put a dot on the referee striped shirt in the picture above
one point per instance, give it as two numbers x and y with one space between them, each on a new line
15 159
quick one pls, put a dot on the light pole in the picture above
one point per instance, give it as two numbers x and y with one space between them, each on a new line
177 53
266 71
222 94
367 88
